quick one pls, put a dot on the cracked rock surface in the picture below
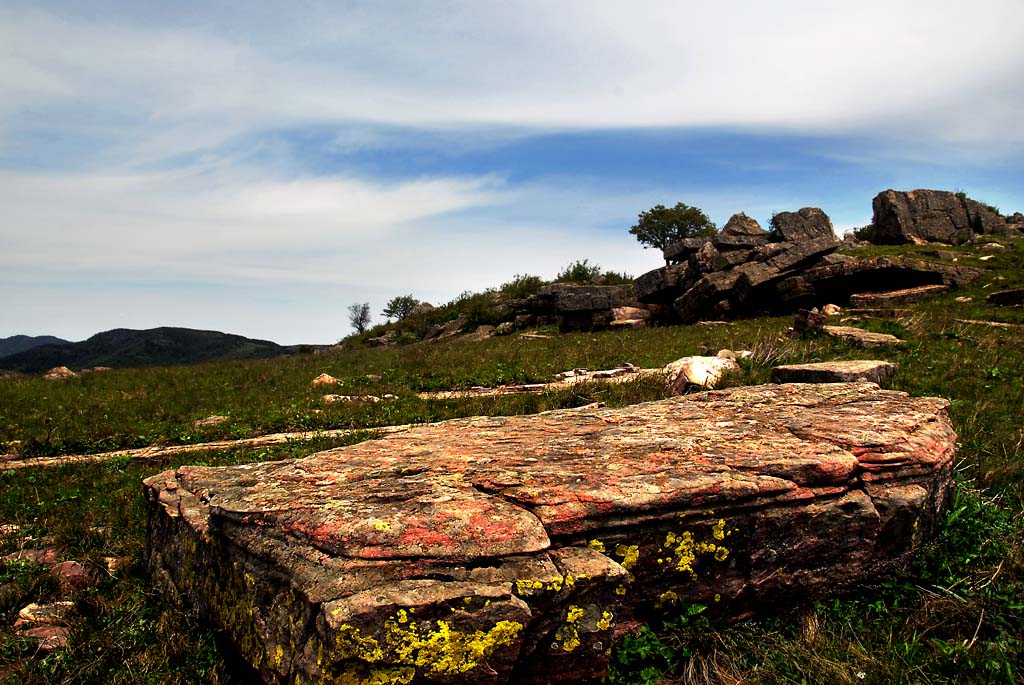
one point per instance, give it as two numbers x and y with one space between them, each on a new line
518 549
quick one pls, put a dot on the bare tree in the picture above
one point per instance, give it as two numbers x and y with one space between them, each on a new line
359 316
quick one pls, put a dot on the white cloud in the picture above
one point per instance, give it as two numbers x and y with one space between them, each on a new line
934 70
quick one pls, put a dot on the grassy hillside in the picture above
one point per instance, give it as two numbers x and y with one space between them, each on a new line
955 614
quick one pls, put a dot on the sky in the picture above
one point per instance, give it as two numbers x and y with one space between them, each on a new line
255 167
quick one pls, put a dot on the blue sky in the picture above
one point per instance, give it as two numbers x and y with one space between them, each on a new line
256 167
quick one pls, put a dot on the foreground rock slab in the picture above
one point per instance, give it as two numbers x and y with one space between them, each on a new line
517 549
871 370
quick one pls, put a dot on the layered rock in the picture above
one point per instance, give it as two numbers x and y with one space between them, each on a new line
871 370
516 549
583 307
919 216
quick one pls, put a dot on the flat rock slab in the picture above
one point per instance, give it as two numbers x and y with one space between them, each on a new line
517 549
901 296
859 336
871 370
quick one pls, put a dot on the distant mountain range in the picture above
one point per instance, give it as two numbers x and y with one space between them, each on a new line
20 343
124 348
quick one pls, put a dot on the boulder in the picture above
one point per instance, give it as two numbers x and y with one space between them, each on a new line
705 294
59 373
871 370
324 379
519 548
700 372
985 219
680 250
919 216
446 329
386 339
809 223
663 285
742 225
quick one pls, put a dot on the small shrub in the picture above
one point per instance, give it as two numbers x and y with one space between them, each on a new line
581 271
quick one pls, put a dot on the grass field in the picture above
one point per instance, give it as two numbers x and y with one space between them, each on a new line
955 615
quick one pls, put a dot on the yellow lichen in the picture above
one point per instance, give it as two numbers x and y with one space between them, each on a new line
569 633
596 545
605 622
669 597
718 530
382 525
629 554
620 590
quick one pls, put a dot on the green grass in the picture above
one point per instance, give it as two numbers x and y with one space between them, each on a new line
954 615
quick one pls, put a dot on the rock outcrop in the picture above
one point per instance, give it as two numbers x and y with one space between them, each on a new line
518 549
745 271
920 216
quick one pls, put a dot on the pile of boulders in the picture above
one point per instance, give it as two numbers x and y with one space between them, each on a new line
745 270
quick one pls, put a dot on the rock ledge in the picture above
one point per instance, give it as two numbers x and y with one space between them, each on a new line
490 550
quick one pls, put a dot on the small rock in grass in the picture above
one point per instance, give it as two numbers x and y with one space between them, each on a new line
45 556
210 421
324 379
59 373
71 574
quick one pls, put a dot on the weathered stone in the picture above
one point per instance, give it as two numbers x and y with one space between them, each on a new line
701 372
838 282
324 379
623 313
859 336
49 637
704 295
809 223
870 370
72 574
569 298
661 286
703 260
59 373
742 225
386 339
724 261
679 251
921 216
45 556
498 549
1007 298
446 329
505 328
808 321
729 243
985 219
210 421
53 614
902 296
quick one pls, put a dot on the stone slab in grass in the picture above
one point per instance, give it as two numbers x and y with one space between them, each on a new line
902 296
859 336
519 549
870 370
